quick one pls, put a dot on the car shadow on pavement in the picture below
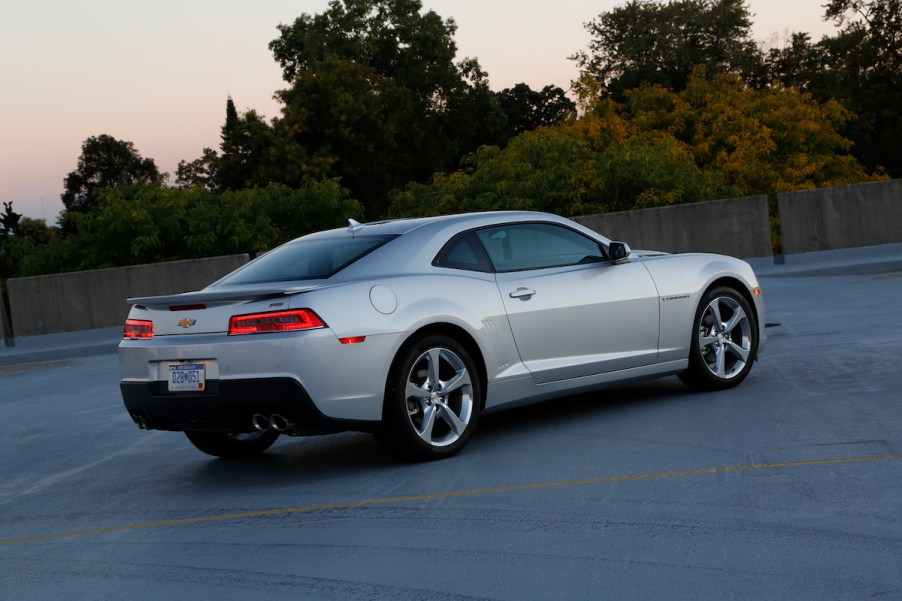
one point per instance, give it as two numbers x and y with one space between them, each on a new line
599 404
318 459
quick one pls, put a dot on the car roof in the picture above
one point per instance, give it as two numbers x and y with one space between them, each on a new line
418 241
407 225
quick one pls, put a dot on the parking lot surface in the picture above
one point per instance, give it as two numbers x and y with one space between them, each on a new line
787 487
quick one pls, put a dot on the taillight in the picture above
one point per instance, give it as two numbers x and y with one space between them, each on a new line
137 329
276 321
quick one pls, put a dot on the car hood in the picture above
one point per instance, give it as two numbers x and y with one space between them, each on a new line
648 253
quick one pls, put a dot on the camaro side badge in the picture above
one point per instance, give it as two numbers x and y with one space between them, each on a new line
186 323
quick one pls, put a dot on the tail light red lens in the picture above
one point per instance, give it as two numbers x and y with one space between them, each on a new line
136 329
276 321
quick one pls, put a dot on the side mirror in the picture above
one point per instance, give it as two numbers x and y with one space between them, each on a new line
619 252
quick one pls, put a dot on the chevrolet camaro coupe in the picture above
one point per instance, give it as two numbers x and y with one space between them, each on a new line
411 329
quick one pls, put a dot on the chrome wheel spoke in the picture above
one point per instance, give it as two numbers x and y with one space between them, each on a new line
705 341
714 310
425 431
433 359
460 379
737 318
737 350
719 365
415 391
454 422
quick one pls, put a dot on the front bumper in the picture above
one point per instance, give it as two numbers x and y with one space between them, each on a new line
229 405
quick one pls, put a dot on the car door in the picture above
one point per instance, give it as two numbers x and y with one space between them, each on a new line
572 311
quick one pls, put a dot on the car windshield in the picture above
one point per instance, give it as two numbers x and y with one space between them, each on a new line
305 260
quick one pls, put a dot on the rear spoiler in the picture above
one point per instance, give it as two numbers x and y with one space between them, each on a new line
206 297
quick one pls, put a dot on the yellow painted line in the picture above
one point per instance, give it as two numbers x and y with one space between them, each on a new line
448 495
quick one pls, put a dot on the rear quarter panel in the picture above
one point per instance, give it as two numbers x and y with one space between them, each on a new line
466 300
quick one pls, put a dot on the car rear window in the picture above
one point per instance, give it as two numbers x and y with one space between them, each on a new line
305 260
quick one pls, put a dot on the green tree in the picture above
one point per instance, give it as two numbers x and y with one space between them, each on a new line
9 226
135 225
652 169
9 221
882 19
527 109
797 64
376 98
472 117
23 237
645 42
547 169
105 162
860 66
557 169
343 119
762 141
200 172
246 142
718 138
866 74
392 37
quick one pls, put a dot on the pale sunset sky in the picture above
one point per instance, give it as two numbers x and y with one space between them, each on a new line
158 73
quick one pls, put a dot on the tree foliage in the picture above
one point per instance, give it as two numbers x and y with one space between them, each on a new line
527 109
661 43
861 66
20 237
762 141
391 37
559 169
105 162
376 98
646 42
344 119
201 172
718 138
9 221
145 225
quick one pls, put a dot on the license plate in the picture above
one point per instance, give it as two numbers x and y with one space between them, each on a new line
186 377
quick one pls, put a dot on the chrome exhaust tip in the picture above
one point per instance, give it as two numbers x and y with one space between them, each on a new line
278 423
261 422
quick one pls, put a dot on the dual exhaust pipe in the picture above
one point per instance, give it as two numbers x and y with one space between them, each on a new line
274 421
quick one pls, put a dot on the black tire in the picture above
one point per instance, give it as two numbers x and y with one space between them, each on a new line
232 446
432 402
724 341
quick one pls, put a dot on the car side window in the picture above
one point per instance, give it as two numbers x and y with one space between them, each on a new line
463 252
522 246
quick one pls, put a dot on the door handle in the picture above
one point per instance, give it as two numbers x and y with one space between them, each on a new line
522 293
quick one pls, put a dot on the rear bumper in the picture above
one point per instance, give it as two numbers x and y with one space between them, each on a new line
228 406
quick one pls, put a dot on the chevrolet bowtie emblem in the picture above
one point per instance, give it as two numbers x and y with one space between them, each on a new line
186 323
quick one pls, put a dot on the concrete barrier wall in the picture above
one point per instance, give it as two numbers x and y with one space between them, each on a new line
843 217
738 227
69 302
5 334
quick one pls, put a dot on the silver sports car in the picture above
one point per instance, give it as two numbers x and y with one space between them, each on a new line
411 329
